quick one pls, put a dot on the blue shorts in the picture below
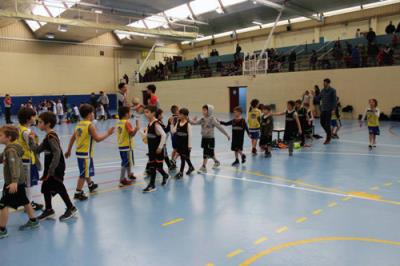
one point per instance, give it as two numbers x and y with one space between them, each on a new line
173 140
86 167
254 133
334 123
127 158
374 131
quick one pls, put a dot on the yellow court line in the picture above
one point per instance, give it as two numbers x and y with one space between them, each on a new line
234 253
347 198
374 188
282 229
266 252
210 264
177 220
332 204
301 220
316 212
261 240
388 184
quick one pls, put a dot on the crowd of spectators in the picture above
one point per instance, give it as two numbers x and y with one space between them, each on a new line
161 71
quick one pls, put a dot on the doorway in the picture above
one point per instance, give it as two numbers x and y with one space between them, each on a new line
238 97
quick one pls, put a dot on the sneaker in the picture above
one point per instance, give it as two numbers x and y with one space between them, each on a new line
236 163
327 141
69 213
374 146
268 155
80 196
3 233
165 180
190 170
30 225
243 158
254 151
125 182
36 206
46 214
132 177
216 165
149 189
370 147
202 170
172 167
179 175
92 187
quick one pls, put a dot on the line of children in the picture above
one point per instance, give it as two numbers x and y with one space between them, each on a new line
372 114
239 127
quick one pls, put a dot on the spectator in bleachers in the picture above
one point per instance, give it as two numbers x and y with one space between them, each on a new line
292 61
395 40
337 54
390 29
313 60
372 52
355 57
358 33
371 36
388 56
214 52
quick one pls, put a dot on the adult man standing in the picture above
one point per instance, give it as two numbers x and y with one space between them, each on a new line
7 108
122 95
103 100
328 105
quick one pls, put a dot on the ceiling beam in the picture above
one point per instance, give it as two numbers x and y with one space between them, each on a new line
291 8
89 24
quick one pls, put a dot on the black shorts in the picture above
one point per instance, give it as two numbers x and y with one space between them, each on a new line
183 151
14 200
237 145
52 185
154 157
208 145
266 140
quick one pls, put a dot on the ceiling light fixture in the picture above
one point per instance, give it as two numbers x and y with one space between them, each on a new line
50 35
219 10
62 28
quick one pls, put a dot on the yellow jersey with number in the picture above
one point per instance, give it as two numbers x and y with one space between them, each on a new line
28 156
125 140
84 141
254 118
372 117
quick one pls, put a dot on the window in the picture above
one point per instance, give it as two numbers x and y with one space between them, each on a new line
55 8
179 12
155 21
203 6
34 25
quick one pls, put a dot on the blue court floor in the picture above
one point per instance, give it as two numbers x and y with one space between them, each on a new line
327 205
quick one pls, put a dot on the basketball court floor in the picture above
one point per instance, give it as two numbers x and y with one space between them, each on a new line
326 205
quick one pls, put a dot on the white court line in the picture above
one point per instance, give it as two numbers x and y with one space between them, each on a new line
351 154
366 143
245 179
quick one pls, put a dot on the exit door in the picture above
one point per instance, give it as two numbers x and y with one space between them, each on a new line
237 97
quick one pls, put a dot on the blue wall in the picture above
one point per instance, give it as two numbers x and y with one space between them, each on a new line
72 99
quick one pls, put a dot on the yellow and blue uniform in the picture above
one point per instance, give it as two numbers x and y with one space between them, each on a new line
373 121
125 143
254 122
84 149
28 158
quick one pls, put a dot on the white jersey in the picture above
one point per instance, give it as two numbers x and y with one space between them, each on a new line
76 110
60 109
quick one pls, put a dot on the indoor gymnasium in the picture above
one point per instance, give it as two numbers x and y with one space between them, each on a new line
199 132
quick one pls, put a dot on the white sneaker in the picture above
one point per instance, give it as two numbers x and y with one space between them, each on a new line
216 165
202 170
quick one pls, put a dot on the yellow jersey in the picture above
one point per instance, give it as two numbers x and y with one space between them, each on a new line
28 156
372 117
254 118
84 141
125 140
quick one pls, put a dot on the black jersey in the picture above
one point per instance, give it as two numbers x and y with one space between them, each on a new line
267 125
239 127
182 137
302 114
153 140
48 156
291 129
